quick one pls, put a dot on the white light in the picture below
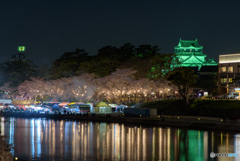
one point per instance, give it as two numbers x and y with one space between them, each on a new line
222 62
229 54
229 58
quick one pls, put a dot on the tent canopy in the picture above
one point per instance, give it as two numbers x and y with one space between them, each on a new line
102 104
23 102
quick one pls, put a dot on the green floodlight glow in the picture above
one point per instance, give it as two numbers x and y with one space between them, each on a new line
21 48
190 54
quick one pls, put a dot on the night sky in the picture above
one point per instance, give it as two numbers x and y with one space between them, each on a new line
49 28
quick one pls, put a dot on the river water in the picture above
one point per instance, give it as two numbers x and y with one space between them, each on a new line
60 140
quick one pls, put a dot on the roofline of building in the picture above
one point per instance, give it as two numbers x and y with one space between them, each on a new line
229 62
229 54
193 47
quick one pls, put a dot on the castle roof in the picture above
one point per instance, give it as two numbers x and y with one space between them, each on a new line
188 44
210 62
193 57
190 53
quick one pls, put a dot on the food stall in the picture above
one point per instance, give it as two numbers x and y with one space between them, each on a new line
102 107
4 102
23 104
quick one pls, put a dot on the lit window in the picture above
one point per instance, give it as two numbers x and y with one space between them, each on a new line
224 80
230 69
190 50
195 49
230 80
223 69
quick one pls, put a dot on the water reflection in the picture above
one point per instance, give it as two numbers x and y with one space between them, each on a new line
49 140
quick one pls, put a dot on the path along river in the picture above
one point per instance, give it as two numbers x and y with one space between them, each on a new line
60 140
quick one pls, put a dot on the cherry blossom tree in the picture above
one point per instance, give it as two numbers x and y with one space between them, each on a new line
116 84
78 87
9 92
162 87
114 87
84 86
33 88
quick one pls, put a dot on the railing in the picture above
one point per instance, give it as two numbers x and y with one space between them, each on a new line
222 99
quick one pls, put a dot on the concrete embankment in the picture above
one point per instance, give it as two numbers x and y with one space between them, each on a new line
184 122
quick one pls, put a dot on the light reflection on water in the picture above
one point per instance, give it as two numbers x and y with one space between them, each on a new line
50 140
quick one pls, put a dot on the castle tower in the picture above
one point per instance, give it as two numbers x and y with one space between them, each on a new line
190 54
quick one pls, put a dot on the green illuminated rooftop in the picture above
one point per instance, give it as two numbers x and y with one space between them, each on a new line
188 44
190 54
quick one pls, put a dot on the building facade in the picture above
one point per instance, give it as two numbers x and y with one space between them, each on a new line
190 54
229 73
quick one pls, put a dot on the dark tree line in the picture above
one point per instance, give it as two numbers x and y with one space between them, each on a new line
17 71
70 64
106 61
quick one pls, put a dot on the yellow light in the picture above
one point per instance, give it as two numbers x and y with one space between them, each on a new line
178 117
16 158
198 118
221 119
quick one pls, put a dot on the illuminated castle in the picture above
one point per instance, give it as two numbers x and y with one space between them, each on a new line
190 54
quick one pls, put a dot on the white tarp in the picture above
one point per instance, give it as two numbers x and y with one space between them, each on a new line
9 101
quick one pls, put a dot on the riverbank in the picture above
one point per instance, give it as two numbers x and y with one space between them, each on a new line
5 150
190 122
18 159
198 107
